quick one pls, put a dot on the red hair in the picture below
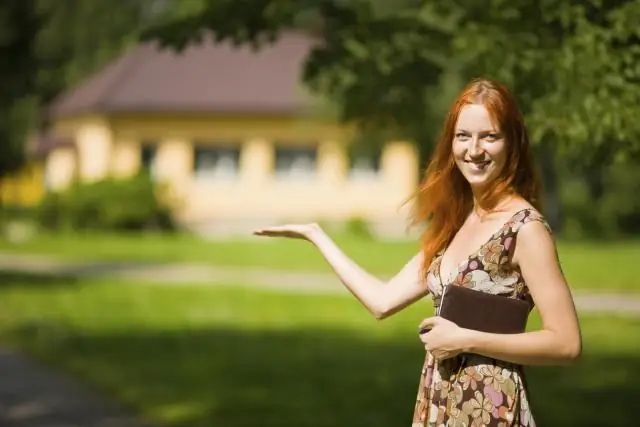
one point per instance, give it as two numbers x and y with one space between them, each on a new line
444 198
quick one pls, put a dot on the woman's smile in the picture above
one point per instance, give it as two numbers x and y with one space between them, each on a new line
480 166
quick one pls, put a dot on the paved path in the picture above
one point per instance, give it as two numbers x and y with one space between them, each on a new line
34 396
305 282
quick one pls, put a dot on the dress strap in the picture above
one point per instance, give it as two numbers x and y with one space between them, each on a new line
525 216
521 218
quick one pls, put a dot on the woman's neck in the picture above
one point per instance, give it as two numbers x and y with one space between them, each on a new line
483 207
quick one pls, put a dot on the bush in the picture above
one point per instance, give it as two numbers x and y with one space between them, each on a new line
11 212
616 214
128 204
358 227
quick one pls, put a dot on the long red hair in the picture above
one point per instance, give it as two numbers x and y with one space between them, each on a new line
444 198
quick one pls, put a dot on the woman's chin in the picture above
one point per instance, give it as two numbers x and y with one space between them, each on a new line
477 179
479 182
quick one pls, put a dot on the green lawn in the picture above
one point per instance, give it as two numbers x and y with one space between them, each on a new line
595 266
195 356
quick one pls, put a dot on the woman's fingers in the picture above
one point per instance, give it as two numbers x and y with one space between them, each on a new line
266 232
271 230
429 323
280 231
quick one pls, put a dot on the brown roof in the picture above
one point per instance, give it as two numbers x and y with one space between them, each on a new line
40 144
207 77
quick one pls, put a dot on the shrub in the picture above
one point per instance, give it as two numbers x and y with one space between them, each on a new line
358 227
614 215
127 204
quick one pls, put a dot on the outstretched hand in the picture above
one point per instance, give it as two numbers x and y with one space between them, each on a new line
292 231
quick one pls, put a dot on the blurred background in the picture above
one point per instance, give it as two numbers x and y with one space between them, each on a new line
143 140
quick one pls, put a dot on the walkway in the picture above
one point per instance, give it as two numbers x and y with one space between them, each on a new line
34 396
305 282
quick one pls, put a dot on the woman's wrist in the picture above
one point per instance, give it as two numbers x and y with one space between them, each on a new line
315 233
469 341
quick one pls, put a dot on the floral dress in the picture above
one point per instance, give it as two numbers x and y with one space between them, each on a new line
473 390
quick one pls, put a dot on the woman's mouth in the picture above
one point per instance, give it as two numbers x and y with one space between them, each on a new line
479 165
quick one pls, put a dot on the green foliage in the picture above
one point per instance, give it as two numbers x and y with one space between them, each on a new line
80 37
358 227
615 214
129 204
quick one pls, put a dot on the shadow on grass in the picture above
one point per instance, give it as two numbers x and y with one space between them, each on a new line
34 279
235 378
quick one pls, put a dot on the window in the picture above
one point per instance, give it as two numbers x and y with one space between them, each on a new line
364 165
147 157
216 162
296 162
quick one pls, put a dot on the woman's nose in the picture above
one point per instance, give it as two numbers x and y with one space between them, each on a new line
474 147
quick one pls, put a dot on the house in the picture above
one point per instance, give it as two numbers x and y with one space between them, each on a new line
233 133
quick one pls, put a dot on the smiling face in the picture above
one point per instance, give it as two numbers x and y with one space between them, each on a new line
479 148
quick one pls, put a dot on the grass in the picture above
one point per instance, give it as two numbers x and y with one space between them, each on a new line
596 266
229 356
380 257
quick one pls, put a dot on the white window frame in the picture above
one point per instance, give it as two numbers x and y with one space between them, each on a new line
224 161
304 167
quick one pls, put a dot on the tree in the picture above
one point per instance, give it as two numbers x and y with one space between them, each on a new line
49 45
80 37
20 23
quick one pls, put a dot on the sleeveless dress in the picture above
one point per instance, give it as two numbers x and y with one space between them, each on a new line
472 390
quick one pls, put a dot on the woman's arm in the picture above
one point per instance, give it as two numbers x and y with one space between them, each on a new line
380 298
559 339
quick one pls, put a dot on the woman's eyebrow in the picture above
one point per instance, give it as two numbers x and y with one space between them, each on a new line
484 132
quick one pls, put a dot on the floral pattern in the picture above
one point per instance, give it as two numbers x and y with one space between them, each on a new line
472 390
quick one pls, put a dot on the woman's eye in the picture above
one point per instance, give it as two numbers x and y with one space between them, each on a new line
460 135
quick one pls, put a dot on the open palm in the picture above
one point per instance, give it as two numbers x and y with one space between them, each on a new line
292 231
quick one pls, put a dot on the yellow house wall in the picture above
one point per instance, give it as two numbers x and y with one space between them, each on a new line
60 168
92 157
111 146
94 141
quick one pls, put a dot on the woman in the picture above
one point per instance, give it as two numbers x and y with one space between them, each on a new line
480 194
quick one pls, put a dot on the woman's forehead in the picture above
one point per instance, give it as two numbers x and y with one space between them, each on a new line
475 118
